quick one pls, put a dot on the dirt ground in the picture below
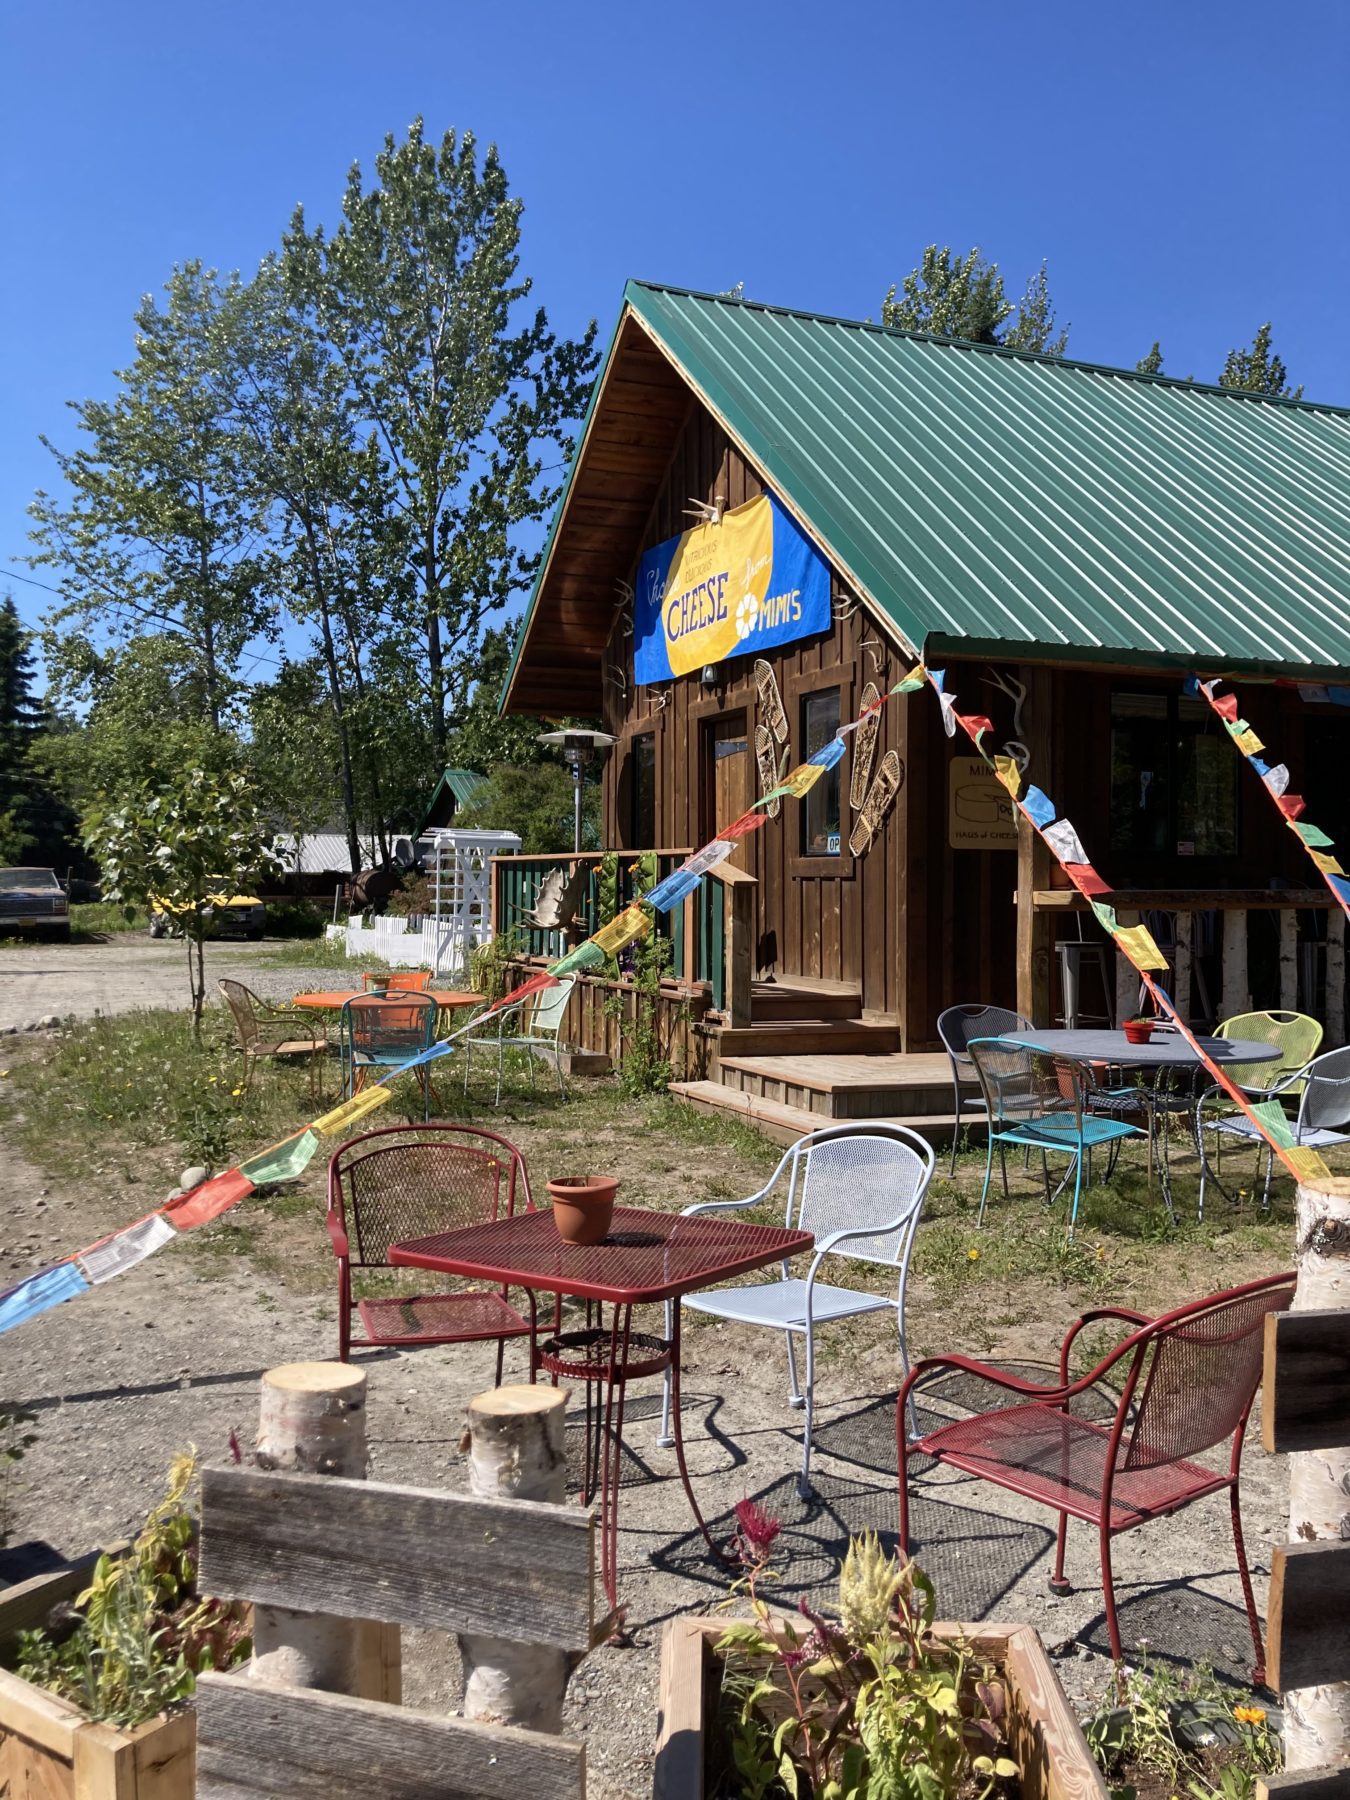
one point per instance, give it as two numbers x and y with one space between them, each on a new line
172 1352
119 974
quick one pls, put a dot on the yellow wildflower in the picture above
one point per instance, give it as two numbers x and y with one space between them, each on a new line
972 1255
1250 1715
236 1090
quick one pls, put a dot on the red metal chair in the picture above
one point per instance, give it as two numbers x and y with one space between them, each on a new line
1189 1379
408 1181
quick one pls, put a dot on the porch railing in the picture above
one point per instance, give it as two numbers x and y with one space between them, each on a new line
1308 974
711 934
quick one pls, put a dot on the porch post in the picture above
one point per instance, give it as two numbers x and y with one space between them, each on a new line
1236 998
1033 858
1335 998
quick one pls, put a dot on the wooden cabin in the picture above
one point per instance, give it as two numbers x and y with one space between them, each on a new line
1069 543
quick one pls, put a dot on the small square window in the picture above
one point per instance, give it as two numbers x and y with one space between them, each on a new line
820 809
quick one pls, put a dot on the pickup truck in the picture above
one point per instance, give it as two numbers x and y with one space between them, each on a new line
226 911
33 900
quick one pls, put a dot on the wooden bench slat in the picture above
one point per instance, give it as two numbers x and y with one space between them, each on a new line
255 1740
1307 1378
1309 1615
406 1556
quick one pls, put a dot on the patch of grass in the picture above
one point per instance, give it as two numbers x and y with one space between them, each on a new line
106 916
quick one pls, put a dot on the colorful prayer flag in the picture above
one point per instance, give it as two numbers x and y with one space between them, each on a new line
1247 741
1038 807
586 956
208 1201
911 683
1086 879
1313 836
1138 945
1065 842
1276 779
742 827
829 753
355 1108
1306 1165
799 781
623 929
1327 864
1291 805
286 1161
1009 773
48 1288
124 1249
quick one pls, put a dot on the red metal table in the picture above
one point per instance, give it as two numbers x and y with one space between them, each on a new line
646 1259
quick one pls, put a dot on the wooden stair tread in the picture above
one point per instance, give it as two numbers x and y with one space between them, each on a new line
785 1124
827 1074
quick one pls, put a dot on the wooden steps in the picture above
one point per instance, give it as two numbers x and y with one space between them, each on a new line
784 1124
843 1086
804 997
808 1037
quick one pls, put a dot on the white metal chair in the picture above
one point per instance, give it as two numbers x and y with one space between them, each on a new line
859 1188
1322 1088
540 1017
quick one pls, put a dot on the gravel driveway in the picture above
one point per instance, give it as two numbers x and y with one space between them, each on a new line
122 973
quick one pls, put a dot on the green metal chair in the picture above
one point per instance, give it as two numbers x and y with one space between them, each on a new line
1298 1037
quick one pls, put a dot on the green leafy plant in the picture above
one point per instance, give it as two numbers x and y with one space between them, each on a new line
179 843
490 965
145 1634
1183 1729
868 1707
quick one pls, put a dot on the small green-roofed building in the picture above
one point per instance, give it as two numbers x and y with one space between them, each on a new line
456 789
1068 541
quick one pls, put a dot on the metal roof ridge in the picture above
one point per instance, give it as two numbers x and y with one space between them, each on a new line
1009 352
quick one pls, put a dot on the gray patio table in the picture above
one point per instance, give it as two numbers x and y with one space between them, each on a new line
1164 1050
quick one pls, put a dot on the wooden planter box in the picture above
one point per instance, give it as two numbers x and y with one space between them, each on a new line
49 1749
1046 1738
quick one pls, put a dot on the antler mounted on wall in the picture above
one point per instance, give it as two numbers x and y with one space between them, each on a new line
705 513
1017 692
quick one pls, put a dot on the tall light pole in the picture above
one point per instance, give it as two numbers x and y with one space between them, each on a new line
579 749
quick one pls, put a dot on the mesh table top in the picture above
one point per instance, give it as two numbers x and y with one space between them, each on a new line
1164 1050
647 1255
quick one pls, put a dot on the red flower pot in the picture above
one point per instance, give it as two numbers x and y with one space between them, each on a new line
1138 1031
583 1206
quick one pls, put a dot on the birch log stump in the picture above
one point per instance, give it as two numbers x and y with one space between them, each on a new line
515 1445
1317 1719
312 1421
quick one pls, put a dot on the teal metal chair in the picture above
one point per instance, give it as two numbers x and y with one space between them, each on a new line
380 1031
537 1021
1042 1102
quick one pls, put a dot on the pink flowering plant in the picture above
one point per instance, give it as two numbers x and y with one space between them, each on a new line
867 1705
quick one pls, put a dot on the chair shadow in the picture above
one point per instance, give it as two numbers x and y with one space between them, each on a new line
1177 1624
974 1557
641 1409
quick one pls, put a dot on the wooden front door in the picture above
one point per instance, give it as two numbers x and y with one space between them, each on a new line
729 783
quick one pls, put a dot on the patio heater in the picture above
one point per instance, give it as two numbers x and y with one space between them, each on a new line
579 749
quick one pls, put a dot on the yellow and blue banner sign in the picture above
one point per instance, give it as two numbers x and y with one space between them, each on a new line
737 588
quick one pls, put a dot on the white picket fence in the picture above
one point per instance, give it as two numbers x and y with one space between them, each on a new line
461 867
410 943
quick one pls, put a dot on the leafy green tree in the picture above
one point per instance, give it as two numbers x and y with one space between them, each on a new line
134 712
34 825
157 531
481 738
180 844
330 556
964 297
536 803
420 295
1153 362
1259 370
293 749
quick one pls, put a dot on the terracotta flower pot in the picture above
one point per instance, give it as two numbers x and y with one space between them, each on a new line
583 1206
1138 1031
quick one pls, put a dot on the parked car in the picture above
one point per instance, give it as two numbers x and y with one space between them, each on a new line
226 912
33 900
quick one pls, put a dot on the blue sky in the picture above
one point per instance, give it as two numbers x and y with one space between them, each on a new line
1180 163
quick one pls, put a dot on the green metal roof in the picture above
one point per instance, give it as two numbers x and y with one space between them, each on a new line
982 498
459 784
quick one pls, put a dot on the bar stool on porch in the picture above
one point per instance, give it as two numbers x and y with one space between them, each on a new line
1072 953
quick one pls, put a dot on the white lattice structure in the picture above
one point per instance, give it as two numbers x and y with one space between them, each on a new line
459 864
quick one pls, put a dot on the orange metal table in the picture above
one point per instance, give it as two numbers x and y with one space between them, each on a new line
448 999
